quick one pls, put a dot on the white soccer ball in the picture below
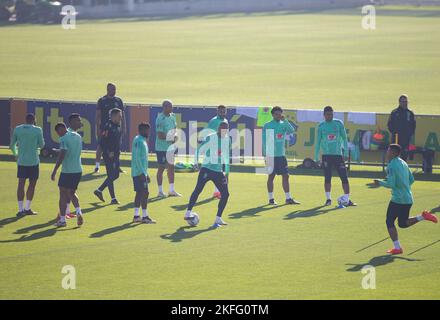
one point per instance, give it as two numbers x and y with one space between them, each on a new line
342 201
194 220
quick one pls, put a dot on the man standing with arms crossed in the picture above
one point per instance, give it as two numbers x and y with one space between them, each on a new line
402 125
29 138
105 104
332 139
166 136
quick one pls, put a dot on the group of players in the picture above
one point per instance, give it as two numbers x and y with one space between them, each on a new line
215 145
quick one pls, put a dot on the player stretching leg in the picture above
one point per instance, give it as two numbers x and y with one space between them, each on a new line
399 180
216 149
274 150
71 171
139 173
332 139
29 138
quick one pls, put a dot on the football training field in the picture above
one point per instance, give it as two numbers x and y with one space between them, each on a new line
297 60
283 252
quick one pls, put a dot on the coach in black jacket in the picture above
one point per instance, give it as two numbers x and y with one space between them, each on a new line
111 149
402 125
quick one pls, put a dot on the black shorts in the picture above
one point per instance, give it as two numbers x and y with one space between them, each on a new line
279 166
162 157
398 211
69 180
219 179
337 162
28 172
140 183
112 166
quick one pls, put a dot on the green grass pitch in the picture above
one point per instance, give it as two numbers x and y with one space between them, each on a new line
297 60
287 252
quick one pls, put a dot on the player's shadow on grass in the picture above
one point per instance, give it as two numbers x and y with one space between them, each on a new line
36 227
92 176
95 206
111 230
378 262
181 207
38 235
309 213
9 220
252 212
184 233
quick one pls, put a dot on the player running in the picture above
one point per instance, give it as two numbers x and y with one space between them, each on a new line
104 106
274 151
212 127
399 180
29 138
332 140
165 149
216 150
71 171
111 150
139 173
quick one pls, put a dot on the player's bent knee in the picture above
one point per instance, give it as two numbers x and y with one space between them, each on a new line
403 224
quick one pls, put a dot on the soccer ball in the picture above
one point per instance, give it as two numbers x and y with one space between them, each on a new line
342 201
194 220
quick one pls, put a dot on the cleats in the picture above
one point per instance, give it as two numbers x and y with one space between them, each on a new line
137 219
79 220
220 222
114 201
272 202
21 214
161 195
60 224
350 204
30 212
429 216
395 251
292 201
174 194
98 194
217 195
328 202
148 220
96 170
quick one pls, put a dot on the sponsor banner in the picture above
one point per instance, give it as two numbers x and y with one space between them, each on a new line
303 145
49 113
191 120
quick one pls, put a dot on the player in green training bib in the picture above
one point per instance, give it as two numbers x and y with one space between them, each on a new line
166 137
139 173
331 139
29 139
274 151
399 180
212 128
71 171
